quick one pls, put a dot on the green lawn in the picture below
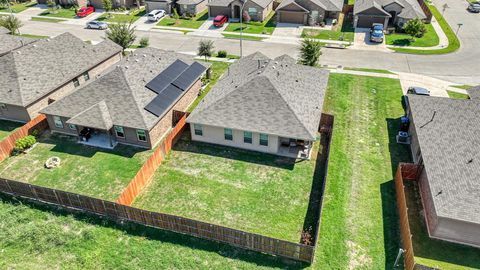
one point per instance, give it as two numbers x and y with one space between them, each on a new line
266 27
383 71
435 253
33 36
6 127
218 68
244 37
45 19
68 13
176 30
85 170
457 95
193 23
359 219
132 16
453 42
463 86
241 189
344 33
17 7
401 39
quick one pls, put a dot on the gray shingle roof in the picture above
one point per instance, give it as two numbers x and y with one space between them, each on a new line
226 3
119 96
328 5
11 42
37 69
474 92
411 8
450 146
189 2
4 30
276 97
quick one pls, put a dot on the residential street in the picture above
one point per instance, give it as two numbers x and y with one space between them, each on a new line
459 67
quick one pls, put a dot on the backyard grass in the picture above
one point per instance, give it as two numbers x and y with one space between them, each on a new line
266 27
344 33
244 37
193 23
85 170
67 13
17 7
241 189
6 127
435 253
45 19
218 69
383 71
430 39
132 16
453 42
359 219
456 95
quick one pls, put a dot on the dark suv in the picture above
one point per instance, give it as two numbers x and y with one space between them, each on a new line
474 7
376 33
418 91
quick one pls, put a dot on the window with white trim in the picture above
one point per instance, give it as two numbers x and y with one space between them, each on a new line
86 76
119 132
141 135
58 121
76 83
247 137
198 129
72 126
263 139
228 134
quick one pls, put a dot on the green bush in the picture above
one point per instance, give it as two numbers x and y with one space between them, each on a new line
222 54
25 142
144 42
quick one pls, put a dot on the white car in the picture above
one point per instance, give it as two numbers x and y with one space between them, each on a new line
97 25
156 15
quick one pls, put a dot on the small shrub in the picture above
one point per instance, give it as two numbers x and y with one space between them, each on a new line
50 4
222 54
144 42
306 237
25 142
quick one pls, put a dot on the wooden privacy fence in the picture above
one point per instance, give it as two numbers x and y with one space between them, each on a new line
405 171
8 144
168 222
426 10
146 172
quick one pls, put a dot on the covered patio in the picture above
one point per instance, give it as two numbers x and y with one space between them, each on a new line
294 148
96 138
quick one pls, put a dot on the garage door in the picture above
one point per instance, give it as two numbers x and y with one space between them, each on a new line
367 21
214 11
291 17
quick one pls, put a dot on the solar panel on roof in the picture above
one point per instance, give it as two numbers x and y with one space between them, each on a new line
189 76
166 77
163 101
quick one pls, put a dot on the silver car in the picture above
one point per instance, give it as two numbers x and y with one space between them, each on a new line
97 25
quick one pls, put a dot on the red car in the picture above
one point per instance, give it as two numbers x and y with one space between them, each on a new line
85 11
220 20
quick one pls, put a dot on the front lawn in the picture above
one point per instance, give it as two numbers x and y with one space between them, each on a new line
131 16
244 37
241 189
68 13
45 19
456 95
6 127
266 27
430 252
374 70
17 7
86 170
430 39
345 32
193 23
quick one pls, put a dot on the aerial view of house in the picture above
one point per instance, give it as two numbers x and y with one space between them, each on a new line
36 75
166 5
446 144
394 12
191 7
308 12
262 104
132 103
10 42
258 10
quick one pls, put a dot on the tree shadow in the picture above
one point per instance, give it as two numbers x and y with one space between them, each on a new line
9 126
154 234
402 42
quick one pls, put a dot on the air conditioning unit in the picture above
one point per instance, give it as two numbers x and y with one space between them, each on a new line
403 137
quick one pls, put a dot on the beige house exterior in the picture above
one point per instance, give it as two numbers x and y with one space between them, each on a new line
308 12
258 10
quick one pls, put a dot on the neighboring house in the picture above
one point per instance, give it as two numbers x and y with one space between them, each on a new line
257 9
394 12
166 5
37 74
265 105
308 12
133 103
445 141
191 7
9 42
94 3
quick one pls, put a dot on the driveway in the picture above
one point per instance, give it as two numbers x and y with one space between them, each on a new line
207 29
83 21
362 41
287 30
437 87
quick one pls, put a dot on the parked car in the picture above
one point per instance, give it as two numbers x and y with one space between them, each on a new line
474 7
418 91
376 33
85 11
97 25
220 20
155 15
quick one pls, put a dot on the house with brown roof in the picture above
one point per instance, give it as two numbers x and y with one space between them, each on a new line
258 10
394 12
308 12
39 73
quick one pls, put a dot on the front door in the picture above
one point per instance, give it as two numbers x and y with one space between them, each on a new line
236 12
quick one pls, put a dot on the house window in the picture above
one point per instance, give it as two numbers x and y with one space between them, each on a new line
264 139
58 122
119 132
3 106
86 76
228 134
72 126
76 83
247 137
198 129
141 135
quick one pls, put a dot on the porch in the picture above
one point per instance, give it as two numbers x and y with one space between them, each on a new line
96 138
294 148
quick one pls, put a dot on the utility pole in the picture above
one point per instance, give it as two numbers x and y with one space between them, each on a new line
241 28
458 29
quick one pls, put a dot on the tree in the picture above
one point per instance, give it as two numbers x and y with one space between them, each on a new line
107 5
122 33
12 23
310 52
415 28
205 48
176 16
